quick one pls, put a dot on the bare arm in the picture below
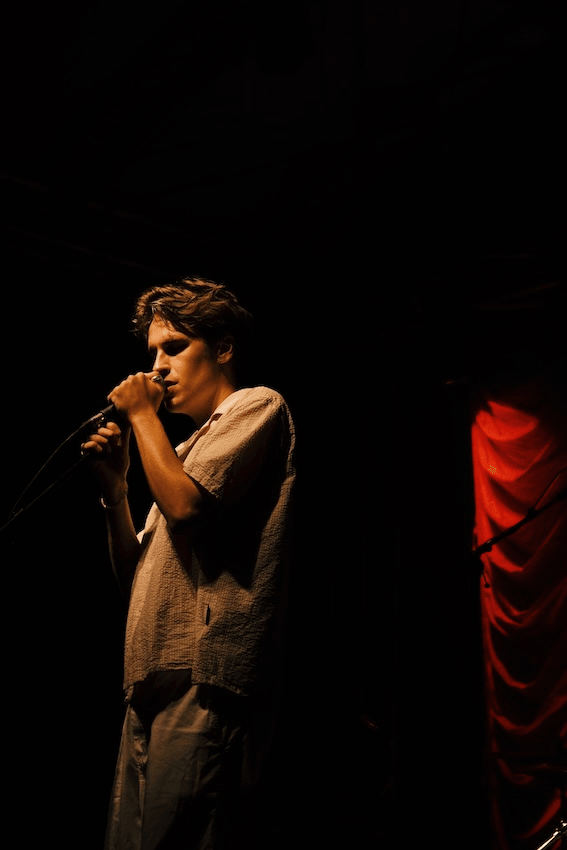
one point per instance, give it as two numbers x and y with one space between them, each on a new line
110 463
123 545
137 399
175 493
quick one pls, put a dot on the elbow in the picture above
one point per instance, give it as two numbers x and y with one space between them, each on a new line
183 522
183 508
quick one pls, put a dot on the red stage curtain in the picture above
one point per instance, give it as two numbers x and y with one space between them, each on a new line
519 444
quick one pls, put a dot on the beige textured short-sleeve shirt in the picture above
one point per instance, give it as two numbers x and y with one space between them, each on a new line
217 606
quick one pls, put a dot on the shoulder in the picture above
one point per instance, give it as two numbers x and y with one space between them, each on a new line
250 431
250 401
261 403
246 412
256 396
254 413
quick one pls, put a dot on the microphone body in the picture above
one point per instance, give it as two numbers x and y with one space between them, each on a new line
101 417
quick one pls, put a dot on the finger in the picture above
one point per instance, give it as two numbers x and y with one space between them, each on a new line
156 378
110 431
156 396
91 447
97 443
118 434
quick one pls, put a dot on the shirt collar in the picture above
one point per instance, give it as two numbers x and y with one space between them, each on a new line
223 407
226 405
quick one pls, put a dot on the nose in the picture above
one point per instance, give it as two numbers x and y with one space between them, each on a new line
161 364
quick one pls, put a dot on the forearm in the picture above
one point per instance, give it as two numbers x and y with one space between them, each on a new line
175 494
123 544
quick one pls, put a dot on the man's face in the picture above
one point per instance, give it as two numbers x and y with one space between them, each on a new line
193 378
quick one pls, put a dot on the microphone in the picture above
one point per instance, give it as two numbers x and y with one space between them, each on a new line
101 417
110 411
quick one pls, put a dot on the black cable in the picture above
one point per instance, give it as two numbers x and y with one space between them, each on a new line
66 476
49 460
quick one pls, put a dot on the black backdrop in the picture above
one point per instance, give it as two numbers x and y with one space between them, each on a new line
383 187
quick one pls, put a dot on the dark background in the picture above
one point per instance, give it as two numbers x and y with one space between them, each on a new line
383 185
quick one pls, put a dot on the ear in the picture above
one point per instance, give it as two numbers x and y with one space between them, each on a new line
225 350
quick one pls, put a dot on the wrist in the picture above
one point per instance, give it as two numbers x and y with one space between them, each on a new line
140 417
109 504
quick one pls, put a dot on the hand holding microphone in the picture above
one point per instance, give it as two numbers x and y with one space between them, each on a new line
109 429
138 393
123 398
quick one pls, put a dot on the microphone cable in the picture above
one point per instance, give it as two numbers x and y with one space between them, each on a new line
66 476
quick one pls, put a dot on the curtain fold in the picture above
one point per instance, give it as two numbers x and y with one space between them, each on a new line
519 448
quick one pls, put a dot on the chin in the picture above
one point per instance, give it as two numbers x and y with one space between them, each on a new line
172 407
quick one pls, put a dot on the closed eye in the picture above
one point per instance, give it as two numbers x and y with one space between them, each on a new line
175 346
170 347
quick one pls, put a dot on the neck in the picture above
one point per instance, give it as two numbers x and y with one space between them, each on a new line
224 389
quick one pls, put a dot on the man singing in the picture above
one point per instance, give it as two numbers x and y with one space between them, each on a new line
206 579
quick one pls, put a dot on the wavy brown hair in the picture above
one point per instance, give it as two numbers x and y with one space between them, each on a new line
200 308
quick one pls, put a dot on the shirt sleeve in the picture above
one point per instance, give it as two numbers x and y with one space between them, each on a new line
231 456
